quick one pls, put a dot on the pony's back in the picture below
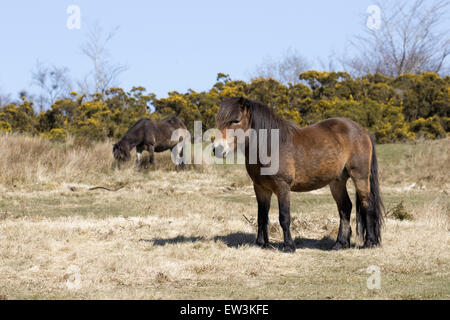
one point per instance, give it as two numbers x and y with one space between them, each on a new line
141 122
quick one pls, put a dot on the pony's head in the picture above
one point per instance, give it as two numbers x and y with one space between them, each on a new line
233 114
121 152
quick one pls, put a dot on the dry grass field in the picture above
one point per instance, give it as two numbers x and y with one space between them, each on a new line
173 235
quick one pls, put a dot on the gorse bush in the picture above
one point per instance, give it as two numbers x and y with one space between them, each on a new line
58 135
392 109
429 128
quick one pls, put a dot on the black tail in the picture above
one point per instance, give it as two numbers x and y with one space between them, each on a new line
375 209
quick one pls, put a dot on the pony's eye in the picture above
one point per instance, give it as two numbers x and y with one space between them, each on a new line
235 121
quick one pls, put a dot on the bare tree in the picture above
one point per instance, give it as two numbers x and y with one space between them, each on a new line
412 38
104 74
54 83
329 63
286 69
4 99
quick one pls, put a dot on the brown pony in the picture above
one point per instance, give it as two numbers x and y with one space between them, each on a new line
153 136
326 153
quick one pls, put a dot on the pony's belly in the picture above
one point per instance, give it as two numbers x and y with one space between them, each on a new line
305 187
315 174
314 180
161 148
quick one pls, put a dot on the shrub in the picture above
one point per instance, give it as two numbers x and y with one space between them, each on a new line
57 135
429 128
5 127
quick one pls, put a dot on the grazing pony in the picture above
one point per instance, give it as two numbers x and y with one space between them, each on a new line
326 153
152 136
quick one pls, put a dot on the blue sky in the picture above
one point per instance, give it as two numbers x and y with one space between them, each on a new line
172 45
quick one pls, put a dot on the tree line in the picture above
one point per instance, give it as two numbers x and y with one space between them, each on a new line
405 107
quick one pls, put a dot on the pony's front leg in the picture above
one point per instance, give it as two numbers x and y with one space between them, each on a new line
263 197
139 150
285 217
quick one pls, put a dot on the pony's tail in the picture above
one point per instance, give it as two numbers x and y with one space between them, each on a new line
375 208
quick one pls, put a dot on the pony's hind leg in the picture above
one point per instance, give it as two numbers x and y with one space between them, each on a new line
283 194
339 191
139 149
263 197
369 205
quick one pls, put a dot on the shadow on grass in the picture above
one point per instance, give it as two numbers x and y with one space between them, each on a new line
238 239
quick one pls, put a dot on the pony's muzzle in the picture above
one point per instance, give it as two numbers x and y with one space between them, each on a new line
219 151
220 148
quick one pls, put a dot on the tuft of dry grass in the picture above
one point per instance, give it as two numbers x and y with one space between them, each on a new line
399 212
191 234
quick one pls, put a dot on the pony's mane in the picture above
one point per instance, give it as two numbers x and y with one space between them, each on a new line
262 117
134 127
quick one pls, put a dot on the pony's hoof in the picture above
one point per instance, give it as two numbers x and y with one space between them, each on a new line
368 244
261 243
288 248
339 246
